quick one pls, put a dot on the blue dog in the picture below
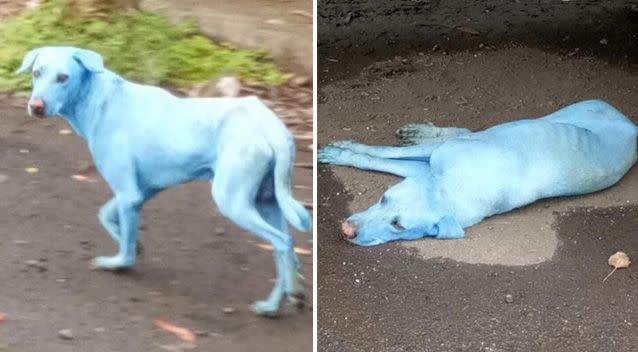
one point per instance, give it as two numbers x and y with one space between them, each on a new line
454 178
143 140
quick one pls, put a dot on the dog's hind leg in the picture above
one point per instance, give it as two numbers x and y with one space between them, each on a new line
269 209
427 133
235 190
344 157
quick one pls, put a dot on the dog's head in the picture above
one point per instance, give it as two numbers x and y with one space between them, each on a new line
58 75
408 210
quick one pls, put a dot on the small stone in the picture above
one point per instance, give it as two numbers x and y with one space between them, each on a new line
36 264
349 17
23 151
66 334
202 333
509 298
468 30
604 41
300 81
228 310
228 86
275 22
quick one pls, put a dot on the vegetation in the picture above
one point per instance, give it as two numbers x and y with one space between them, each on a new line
141 46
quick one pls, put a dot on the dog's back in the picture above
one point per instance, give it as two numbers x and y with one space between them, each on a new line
584 148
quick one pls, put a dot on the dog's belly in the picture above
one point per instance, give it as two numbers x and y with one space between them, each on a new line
497 170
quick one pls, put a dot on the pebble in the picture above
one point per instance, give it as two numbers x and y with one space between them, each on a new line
228 310
509 298
604 41
66 334
36 264
228 86
301 81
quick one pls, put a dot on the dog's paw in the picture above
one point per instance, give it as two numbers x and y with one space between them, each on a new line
266 309
112 263
330 154
347 144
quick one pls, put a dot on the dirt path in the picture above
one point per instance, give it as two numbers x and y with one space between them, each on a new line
195 263
550 257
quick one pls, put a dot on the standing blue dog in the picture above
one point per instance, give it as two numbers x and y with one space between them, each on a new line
143 140
454 178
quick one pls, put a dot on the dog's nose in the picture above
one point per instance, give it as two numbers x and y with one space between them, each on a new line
349 229
36 105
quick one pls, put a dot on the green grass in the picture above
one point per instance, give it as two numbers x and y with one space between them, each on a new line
141 46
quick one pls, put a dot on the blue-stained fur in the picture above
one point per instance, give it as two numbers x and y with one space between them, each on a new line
455 178
143 140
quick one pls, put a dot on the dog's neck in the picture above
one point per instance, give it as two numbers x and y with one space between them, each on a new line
88 107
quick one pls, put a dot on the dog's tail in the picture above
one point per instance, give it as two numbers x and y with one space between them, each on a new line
293 211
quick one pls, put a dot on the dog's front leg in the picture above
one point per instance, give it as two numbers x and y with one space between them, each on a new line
109 218
338 156
420 152
128 216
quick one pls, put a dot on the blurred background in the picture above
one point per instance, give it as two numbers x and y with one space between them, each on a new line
199 272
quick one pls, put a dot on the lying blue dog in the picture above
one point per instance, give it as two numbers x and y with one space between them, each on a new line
143 140
454 178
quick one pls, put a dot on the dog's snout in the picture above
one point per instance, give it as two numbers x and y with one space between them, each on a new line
36 105
349 229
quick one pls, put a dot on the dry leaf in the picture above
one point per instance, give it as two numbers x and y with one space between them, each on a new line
183 333
32 170
82 178
620 260
298 250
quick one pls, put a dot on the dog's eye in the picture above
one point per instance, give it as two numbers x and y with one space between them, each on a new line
397 225
36 74
62 78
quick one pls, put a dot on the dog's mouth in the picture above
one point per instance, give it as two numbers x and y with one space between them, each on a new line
397 225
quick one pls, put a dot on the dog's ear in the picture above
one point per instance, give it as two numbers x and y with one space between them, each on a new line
28 60
448 228
90 60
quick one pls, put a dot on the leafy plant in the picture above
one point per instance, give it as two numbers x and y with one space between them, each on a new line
139 45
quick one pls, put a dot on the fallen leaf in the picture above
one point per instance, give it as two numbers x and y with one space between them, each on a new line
298 250
32 170
82 178
183 333
619 260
